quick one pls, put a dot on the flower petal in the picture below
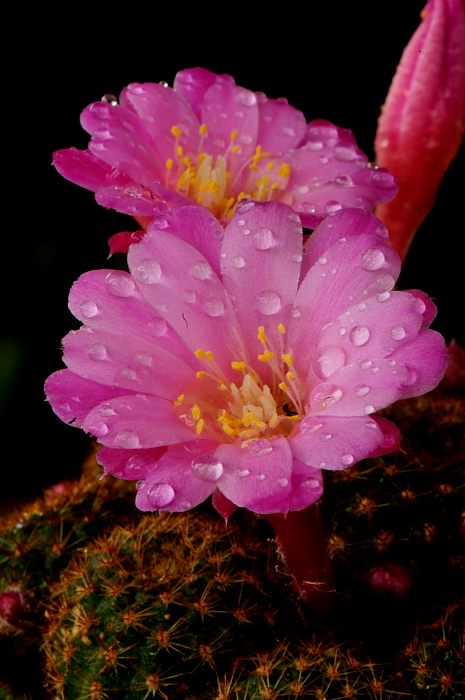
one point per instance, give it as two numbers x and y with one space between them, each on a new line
119 139
257 473
281 127
160 109
127 464
139 201
391 437
192 84
86 170
306 488
136 422
328 442
426 360
261 255
72 397
174 485
182 286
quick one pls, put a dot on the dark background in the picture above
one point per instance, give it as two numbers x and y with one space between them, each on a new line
337 65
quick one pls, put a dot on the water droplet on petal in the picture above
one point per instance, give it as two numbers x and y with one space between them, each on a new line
332 206
283 482
362 390
347 459
269 302
362 306
99 429
97 352
89 309
411 377
106 410
373 259
264 239
238 262
245 97
383 179
345 153
368 408
385 282
297 258
202 270
127 439
365 364
120 284
420 306
260 448
207 467
158 326
343 180
295 313
241 222
260 477
143 358
148 271
342 331
322 260
311 483
331 359
110 99
322 465
160 495
325 437
288 131
246 231
129 373
214 307
359 335
398 333
241 473
384 296
136 467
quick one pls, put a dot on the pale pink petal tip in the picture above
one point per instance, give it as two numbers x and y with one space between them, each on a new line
211 142
237 365
423 119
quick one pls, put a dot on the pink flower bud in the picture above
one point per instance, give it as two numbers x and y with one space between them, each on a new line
390 578
422 122
11 607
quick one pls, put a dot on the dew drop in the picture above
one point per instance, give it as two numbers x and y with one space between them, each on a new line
241 473
295 313
260 448
158 327
368 408
283 482
343 180
99 429
300 190
312 483
373 259
332 206
238 262
110 99
120 284
143 358
332 359
385 282
342 331
89 309
136 467
325 437
384 296
345 153
322 465
269 302
398 333
362 306
347 459
359 335
420 306
202 270
148 271
362 390
264 239
129 373
411 377
365 364
207 467
127 439
160 495
214 307
260 477
383 179
322 260
246 98
97 352
246 231
241 222
314 145
190 296
297 258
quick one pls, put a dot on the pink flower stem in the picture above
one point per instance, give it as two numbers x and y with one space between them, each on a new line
301 540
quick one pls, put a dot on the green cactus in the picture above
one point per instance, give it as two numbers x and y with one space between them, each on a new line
124 605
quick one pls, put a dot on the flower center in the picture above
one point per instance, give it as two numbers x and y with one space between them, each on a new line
247 409
220 182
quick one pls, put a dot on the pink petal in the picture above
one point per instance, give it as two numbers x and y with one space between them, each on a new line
391 437
72 397
120 242
430 310
174 484
306 488
281 127
127 464
119 139
192 84
136 422
227 108
139 201
423 119
86 170
256 473
223 505
109 301
122 360
349 272
198 227
160 108
181 285
261 255
328 442
426 359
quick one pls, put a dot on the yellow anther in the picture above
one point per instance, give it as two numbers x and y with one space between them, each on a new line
169 164
283 386
274 185
187 161
284 170
241 196
180 151
281 328
287 358
200 374
250 416
261 335
240 366
176 131
235 149
266 356
180 400
203 354
290 376
203 130
200 426
195 410
223 387
233 135
208 355
270 165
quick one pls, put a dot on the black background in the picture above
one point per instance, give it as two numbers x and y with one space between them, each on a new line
336 64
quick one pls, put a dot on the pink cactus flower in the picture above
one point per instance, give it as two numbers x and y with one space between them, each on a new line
241 363
210 141
423 120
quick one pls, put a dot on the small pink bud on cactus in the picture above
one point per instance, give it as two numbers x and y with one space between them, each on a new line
423 120
390 578
11 607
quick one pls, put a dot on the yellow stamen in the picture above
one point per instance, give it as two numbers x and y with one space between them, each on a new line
176 131
287 358
169 164
261 335
203 130
200 426
180 400
290 376
283 386
179 151
284 170
195 410
281 328
204 354
266 356
233 135
240 366
200 374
